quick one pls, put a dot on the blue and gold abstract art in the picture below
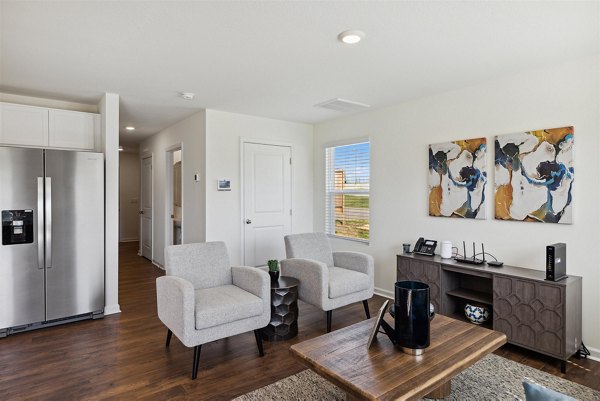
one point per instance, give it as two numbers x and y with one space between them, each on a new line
534 176
457 179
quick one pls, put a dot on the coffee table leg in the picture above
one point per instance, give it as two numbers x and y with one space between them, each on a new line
442 391
350 397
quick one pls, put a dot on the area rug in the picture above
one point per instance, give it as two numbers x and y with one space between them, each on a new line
492 378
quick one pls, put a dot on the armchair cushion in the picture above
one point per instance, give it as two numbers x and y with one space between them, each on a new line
313 276
175 301
252 279
225 304
345 281
313 246
204 265
357 261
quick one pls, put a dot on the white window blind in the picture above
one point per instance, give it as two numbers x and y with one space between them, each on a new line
347 190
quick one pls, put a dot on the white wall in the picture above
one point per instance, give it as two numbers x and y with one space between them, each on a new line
223 208
109 110
129 196
556 96
190 134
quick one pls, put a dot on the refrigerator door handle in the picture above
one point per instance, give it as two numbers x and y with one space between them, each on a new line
40 221
48 222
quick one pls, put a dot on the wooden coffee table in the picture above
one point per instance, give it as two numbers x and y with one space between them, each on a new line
383 372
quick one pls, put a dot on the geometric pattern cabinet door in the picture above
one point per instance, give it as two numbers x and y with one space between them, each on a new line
425 272
544 316
531 314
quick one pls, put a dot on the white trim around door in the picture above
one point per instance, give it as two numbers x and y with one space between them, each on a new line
266 142
143 157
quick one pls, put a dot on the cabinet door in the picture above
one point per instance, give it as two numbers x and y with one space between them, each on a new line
23 125
425 272
530 313
72 129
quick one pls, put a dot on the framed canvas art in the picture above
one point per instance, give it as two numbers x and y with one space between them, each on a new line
457 179
534 176
377 324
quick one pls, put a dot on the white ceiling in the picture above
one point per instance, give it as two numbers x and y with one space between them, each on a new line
276 59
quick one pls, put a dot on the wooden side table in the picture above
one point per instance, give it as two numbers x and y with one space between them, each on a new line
284 310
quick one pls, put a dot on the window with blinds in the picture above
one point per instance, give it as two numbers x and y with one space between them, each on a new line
347 190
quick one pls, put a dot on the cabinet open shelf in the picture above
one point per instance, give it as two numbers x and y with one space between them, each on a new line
461 316
471 295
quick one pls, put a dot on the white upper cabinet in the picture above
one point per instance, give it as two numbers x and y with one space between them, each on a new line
72 129
49 128
23 125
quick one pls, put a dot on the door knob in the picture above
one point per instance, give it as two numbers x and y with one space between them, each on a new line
248 221
141 212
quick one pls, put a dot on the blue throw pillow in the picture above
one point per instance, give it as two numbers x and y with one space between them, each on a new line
537 392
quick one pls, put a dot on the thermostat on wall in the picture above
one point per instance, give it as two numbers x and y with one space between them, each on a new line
224 184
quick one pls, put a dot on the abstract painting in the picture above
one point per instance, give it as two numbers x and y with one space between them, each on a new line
534 176
457 179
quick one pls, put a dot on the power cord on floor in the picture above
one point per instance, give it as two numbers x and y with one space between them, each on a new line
583 352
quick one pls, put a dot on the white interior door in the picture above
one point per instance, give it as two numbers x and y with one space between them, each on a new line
146 210
267 202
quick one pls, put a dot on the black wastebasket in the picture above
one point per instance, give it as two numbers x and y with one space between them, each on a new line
412 316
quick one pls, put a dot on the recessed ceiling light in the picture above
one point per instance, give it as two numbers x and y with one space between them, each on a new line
351 37
121 148
130 128
188 95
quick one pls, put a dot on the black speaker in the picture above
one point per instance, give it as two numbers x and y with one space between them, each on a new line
556 261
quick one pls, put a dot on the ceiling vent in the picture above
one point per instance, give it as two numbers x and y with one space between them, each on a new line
344 106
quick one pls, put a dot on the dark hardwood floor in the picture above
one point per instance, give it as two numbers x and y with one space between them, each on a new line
123 356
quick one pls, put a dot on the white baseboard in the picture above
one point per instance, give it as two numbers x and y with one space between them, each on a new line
112 309
384 293
155 263
129 240
594 354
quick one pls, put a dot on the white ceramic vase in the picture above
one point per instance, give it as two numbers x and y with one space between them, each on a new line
477 314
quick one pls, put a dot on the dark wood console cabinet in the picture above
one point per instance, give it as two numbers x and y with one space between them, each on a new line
544 316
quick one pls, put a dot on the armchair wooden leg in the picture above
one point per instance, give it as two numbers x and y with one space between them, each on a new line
329 313
366 305
169 334
259 343
197 350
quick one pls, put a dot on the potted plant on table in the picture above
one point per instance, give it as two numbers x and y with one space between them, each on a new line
273 269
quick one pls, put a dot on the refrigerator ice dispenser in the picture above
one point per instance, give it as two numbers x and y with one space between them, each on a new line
17 227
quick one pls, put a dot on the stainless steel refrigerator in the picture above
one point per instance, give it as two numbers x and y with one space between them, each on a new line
52 251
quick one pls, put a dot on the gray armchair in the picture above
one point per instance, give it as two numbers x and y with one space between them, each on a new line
328 280
203 298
